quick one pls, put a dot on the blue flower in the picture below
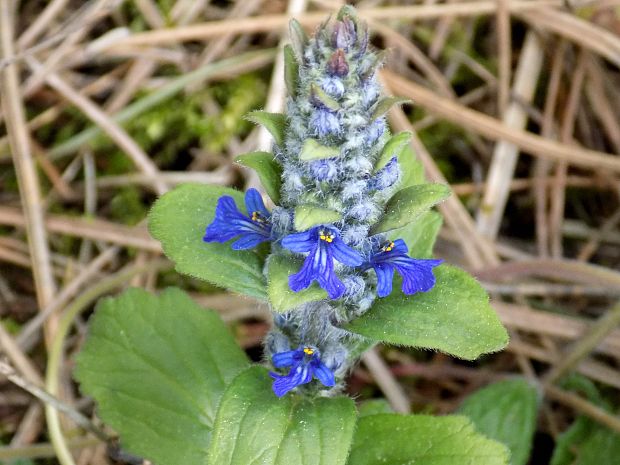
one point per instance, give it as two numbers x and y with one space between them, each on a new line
417 273
229 222
305 364
324 122
324 170
333 86
374 131
386 177
324 245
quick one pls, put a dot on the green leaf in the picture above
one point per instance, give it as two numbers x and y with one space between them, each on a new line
384 105
275 123
390 439
586 442
392 148
253 426
307 216
179 219
374 407
412 171
596 448
157 367
282 299
420 235
407 204
317 94
312 150
299 39
268 169
291 70
506 411
454 317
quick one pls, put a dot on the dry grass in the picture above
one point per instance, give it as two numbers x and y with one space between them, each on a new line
533 136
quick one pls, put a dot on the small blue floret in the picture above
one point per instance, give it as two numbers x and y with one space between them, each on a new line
324 245
417 273
229 222
305 363
324 122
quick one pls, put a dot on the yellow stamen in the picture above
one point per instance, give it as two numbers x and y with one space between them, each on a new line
256 217
308 350
389 247
326 237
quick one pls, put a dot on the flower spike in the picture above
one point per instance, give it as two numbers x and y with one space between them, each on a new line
417 273
305 363
324 245
229 222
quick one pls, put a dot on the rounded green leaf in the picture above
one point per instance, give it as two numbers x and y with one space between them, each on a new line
307 216
454 317
253 426
268 170
407 204
412 171
506 411
281 296
420 235
179 219
390 439
157 367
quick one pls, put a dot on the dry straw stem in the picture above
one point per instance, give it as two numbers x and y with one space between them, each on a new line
95 229
44 450
584 346
113 130
386 381
505 153
49 399
577 30
493 129
478 251
19 141
267 23
583 406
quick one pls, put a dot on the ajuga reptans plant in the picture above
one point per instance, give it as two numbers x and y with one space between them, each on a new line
340 250
336 178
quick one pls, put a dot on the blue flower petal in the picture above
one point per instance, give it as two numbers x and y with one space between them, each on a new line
300 242
254 203
305 363
417 274
229 223
303 278
323 374
286 359
345 254
331 283
248 241
385 276
298 375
